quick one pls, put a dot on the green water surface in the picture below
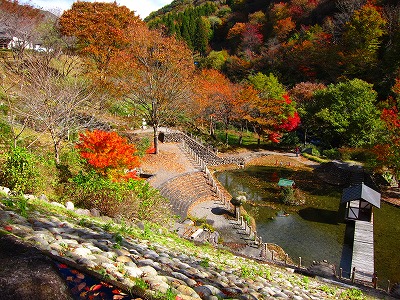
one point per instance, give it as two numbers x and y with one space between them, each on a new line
316 230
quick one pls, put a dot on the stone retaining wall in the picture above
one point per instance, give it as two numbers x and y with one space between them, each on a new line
205 153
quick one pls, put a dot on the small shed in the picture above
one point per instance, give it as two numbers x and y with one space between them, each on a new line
359 200
285 182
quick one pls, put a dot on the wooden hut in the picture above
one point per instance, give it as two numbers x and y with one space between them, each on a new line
359 200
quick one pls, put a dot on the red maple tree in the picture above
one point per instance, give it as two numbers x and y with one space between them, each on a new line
109 154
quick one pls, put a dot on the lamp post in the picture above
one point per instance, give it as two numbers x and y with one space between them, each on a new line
237 202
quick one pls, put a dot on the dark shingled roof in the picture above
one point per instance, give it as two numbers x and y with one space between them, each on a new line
361 191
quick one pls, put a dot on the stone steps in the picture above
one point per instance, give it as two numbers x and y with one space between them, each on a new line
186 190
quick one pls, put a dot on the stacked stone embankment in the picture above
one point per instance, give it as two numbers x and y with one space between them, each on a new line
153 260
185 190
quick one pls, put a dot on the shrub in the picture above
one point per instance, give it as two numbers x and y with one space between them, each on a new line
357 154
290 196
287 195
312 150
19 172
331 153
134 199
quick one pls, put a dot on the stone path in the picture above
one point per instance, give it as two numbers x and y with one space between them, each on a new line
152 263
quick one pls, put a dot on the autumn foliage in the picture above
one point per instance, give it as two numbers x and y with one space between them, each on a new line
108 154
388 152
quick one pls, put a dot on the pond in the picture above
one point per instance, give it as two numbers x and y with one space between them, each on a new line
316 230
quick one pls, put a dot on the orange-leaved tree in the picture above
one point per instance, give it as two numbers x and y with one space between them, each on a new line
218 96
109 154
155 73
101 30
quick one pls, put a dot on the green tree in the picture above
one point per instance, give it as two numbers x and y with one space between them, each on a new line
215 60
347 115
362 39
202 35
268 86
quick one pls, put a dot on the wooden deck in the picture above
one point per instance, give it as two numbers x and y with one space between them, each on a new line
363 251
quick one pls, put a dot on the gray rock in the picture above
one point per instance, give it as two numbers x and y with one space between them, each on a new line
134 271
43 197
148 271
57 204
157 283
100 259
140 225
86 262
82 212
151 254
83 252
5 190
69 205
208 290
95 212
280 295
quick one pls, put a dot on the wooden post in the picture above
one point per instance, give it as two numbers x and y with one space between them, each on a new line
353 274
265 249
241 220
273 254
388 288
286 258
299 261
255 236
375 280
341 273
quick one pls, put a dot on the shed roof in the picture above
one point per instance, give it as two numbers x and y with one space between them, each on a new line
285 182
361 192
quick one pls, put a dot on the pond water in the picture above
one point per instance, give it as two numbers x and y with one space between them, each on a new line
315 230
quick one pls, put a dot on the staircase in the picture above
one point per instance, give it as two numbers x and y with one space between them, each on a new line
185 190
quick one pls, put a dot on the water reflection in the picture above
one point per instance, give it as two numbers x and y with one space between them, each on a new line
312 232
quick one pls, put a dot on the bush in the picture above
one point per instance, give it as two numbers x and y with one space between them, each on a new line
134 199
287 195
290 196
357 154
19 172
331 153
312 150
290 139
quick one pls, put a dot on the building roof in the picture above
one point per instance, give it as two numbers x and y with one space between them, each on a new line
361 192
285 182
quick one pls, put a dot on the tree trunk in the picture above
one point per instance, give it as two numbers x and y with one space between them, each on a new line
57 152
155 138
241 134
305 136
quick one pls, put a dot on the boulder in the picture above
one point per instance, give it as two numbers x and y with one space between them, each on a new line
26 273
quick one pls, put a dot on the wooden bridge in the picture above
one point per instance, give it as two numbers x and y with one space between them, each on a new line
363 251
360 200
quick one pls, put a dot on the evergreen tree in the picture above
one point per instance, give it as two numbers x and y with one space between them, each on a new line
202 34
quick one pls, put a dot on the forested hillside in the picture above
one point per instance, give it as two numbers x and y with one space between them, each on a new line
338 60
299 40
